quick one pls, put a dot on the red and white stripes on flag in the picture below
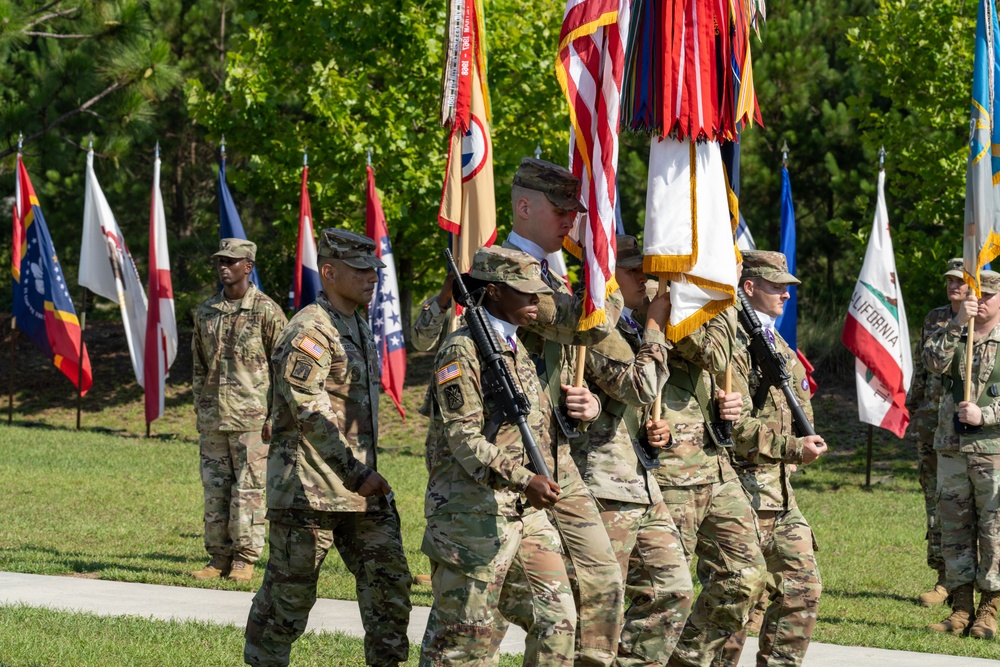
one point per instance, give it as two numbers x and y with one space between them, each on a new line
876 331
161 326
590 68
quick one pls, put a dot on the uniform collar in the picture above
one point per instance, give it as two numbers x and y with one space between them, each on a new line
527 246
245 303
505 330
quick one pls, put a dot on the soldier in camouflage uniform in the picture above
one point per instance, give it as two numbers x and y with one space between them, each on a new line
234 334
765 446
430 323
545 199
923 402
475 515
323 487
700 488
626 371
968 446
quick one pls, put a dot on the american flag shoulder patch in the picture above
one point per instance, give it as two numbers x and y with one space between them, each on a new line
311 347
449 372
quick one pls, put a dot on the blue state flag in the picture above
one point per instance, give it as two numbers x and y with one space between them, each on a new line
230 226
787 322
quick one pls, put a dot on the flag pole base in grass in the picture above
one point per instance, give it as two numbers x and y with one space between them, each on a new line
10 397
868 464
147 429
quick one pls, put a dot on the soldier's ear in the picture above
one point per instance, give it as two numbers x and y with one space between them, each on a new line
748 287
327 272
493 292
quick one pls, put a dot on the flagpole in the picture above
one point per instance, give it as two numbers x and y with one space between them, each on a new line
13 346
79 372
868 466
661 288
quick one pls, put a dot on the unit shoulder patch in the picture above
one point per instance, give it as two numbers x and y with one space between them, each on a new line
453 395
301 370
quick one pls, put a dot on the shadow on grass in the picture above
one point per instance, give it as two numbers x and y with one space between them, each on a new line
868 595
101 430
79 563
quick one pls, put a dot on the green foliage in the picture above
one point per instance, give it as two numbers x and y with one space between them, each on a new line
337 78
915 68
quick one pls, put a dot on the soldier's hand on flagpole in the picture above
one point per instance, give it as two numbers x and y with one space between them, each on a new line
374 485
658 312
658 434
970 413
968 309
542 492
581 404
730 405
812 448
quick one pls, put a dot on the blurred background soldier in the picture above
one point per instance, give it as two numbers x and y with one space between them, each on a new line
765 447
234 334
968 446
626 371
923 402
473 504
323 486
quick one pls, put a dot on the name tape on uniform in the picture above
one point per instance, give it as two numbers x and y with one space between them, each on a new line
449 372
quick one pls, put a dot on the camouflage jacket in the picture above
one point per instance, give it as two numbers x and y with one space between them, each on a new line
466 473
626 375
325 412
924 397
231 347
939 354
694 457
425 332
763 440
551 343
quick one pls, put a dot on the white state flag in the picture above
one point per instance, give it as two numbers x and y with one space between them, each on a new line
876 331
107 268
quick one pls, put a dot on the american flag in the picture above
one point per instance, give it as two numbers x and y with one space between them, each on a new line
383 312
590 68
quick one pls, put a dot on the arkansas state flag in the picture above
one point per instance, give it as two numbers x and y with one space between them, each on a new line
876 332
161 326
383 312
42 305
305 285
468 206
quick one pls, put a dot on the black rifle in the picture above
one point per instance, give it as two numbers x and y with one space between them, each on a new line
771 366
512 405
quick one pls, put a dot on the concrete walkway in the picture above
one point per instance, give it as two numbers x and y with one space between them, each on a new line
115 598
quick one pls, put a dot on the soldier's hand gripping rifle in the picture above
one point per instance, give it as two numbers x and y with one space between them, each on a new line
771 366
512 405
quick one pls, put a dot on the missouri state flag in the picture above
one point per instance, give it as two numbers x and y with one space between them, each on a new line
42 305
384 310
876 332
305 284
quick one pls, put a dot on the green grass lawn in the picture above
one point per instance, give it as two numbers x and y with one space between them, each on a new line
110 504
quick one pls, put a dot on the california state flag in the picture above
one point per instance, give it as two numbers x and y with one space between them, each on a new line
876 332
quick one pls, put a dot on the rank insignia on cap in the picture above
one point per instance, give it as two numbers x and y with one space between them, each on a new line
311 347
449 372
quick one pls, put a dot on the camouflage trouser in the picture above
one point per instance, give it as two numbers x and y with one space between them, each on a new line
233 476
594 574
463 623
793 588
969 512
371 547
716 524
657 580
927 472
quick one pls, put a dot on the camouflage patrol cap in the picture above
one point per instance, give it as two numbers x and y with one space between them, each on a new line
769 265
237 249
517 269
989 282
355 250
956 268
629 252
560 186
